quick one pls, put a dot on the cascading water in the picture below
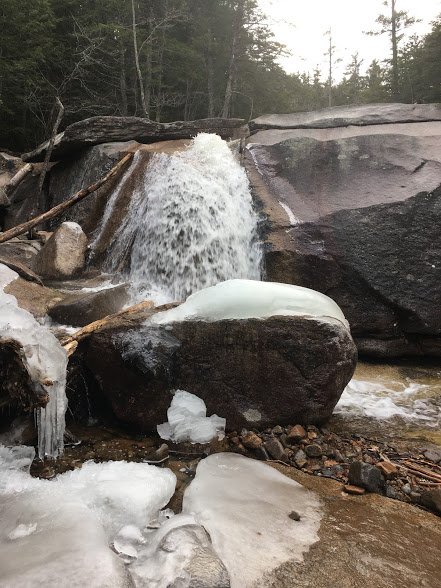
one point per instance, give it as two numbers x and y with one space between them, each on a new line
190 223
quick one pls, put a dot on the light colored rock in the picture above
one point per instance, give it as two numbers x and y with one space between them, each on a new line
64 254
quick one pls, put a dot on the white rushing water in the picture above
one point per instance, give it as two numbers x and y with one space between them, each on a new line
190 223
45 361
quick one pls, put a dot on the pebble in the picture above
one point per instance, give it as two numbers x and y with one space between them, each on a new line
300 458
296 433
433 455
313 450
275 448
262 453
278 430
407 489
367 476
294 515
251 440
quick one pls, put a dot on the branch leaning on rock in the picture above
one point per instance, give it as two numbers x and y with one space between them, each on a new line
60 208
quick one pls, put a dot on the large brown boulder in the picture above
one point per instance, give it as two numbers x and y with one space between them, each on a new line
354 212
253 372
64 254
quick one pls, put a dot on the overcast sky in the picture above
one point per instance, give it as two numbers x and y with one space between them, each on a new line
301 26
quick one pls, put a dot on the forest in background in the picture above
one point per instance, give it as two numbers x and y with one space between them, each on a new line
181 60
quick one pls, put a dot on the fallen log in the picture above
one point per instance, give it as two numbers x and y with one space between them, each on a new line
71 343
19 177
60 208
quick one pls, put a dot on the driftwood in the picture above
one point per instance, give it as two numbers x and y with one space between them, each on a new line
60 208
19 177
71 343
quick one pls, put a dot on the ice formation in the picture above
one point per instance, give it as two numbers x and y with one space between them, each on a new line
188 421
245 505
58 532
45 361
190 223
377 400
241 299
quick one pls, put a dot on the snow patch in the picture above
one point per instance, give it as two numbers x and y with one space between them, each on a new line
245 505
242 299
58 532
188 421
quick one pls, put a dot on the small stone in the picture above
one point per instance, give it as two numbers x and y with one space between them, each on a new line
313 450
327 473
312 435
389 469
262 453
433 455
275 448
329 463
296 433
367 476
407 489
337 455
277 430
355 490
300 458
284 440
251 441
432 499
294 515
391 492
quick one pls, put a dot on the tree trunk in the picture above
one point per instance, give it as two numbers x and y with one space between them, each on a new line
123 83
394 40
210 75
232 69
49 149
137 66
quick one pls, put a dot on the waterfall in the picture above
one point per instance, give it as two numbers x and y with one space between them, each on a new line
190 223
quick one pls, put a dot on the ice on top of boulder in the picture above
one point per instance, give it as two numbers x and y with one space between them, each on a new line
45 361
188 421
245 505
242 299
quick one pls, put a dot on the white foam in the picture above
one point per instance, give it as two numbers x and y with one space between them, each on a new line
188 421
241 299
376 400
190 223
245 504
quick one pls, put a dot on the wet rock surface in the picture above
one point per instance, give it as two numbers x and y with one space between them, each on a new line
348 212
80 309
249 371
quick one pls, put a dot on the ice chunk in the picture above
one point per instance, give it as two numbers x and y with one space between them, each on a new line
245 505
241 299
6 275
188 421
57 533
45 361
179 554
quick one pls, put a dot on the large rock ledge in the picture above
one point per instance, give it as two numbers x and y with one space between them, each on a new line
107 129
343 116
253 372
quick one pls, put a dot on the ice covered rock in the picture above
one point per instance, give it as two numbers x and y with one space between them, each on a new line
179 554
188 421
244 505
45 362
58 532
64 254
254 372
242 299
